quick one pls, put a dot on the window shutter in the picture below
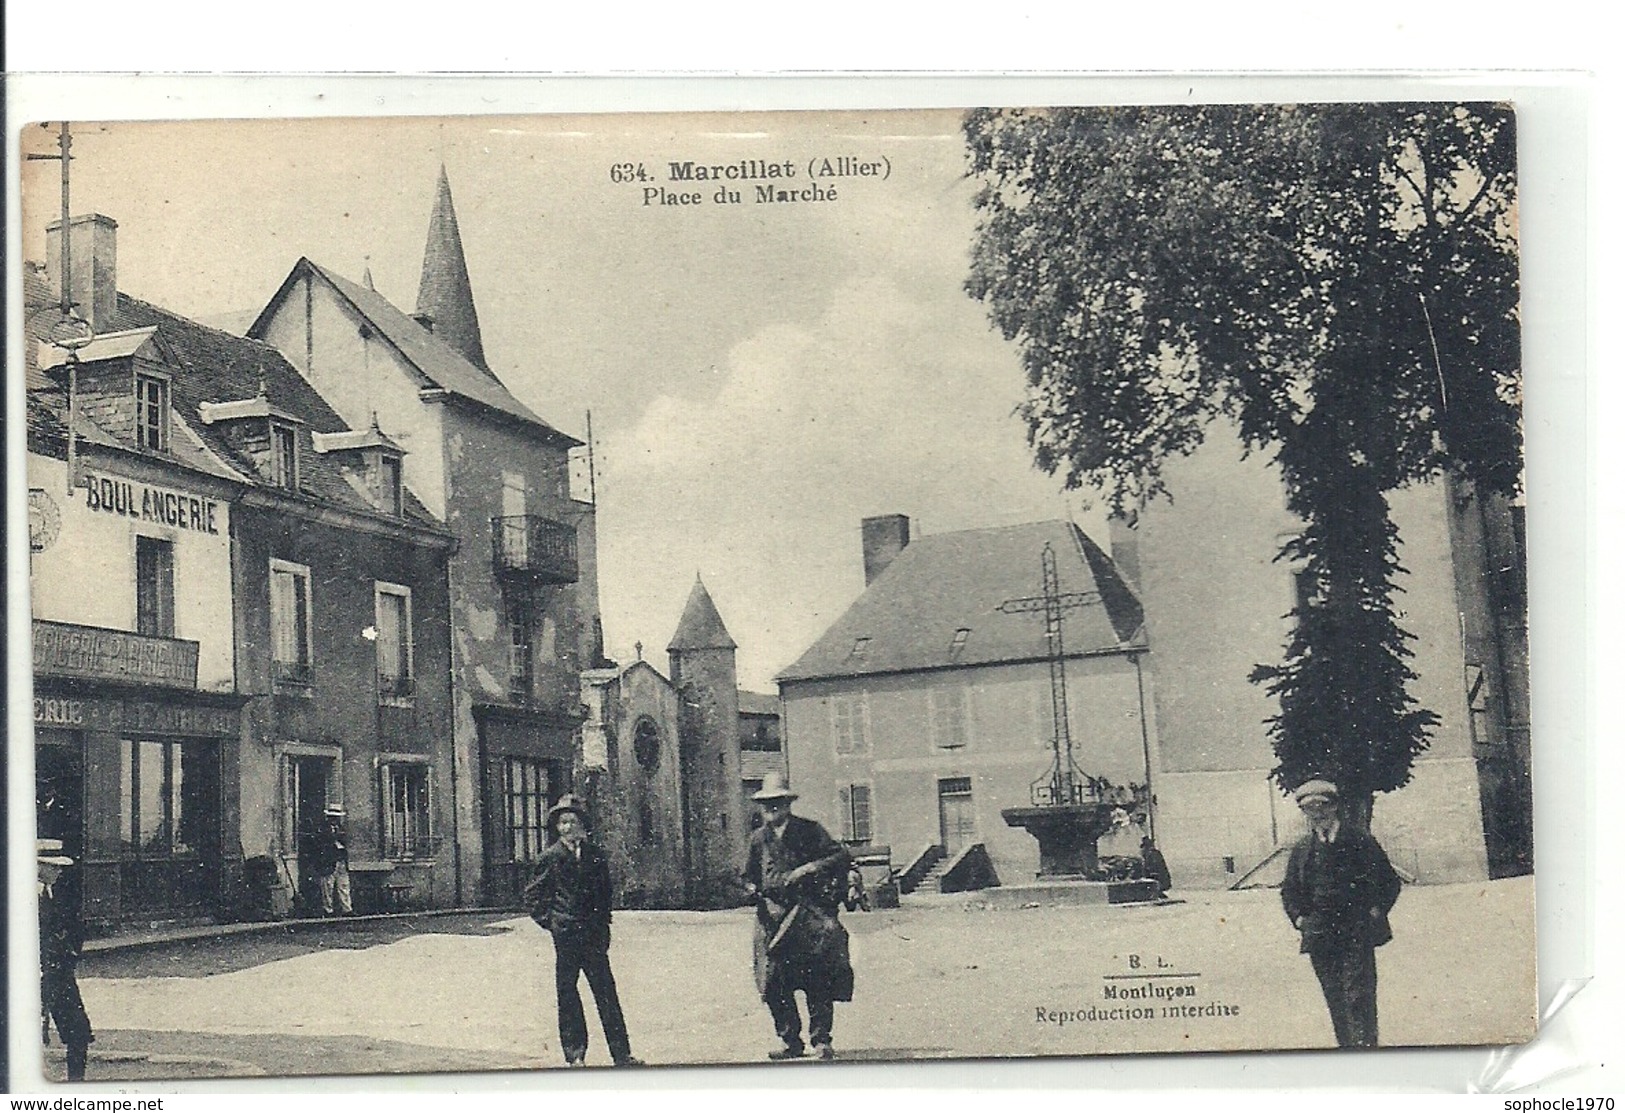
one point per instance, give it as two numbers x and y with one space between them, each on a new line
862 827
846 814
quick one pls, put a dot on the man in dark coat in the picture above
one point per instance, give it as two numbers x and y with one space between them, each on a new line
797 875
1338 890
571 896
62 939
1156 866
327 854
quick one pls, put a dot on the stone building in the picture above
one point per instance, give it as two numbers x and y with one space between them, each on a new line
523 578
928 705
267 623
925 710
673 763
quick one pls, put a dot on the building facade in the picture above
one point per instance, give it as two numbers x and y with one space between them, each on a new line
523 579
1160 694
928 708
239 542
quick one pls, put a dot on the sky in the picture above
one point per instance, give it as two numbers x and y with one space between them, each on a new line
761 376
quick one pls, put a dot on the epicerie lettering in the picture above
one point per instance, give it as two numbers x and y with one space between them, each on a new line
59 712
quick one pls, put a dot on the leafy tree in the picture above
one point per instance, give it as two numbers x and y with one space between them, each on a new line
1340 281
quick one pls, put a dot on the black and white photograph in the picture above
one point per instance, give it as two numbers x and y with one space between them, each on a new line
623 591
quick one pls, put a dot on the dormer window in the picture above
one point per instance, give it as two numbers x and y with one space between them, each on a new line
389 484
152 412
284 457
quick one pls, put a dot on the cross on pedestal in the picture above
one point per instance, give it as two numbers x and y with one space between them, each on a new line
1063 785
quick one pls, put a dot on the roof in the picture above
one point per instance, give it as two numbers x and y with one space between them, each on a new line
445 294
437 364
911 616
211 367
701 627
757 703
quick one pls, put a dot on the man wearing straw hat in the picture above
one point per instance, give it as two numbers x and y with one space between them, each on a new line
61 937
1338 890
797 875
571 896
331 854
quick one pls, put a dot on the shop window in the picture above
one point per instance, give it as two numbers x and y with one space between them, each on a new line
152 413
290 622
167 797
857 824
154 587
393 607
526 784
407 828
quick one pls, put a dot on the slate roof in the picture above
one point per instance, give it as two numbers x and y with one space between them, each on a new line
757 703
435 361
907 619
444 291
701 627
211 366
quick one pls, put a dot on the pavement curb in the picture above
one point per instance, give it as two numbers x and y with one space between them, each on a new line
141 940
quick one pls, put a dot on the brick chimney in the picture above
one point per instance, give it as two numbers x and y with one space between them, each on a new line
93 260
883 538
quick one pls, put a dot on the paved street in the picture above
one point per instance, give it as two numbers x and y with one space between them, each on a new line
940 977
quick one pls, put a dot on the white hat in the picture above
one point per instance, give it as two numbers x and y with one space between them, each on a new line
50 853
1315 791
773 788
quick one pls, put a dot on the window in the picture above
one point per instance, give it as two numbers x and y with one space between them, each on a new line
947 711
389 485
152 412
290 622
759 737
284 457
646 744
167 800
520 667
956 648
857 824
525 786
849 720
406 811
393 606
154 587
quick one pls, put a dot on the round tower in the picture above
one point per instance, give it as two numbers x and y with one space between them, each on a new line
705 674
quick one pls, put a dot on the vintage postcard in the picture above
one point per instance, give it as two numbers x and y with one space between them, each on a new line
522 592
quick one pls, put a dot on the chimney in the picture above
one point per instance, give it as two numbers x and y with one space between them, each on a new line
883 538
93 261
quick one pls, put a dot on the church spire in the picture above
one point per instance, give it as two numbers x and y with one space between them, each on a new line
445 296
701 626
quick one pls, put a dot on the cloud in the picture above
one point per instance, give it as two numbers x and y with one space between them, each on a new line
885 403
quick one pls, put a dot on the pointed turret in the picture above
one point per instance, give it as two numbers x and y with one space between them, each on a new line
445 297
701 627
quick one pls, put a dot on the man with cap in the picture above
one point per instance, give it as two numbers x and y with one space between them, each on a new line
331 858
797 875
571 897
1338 890
61 941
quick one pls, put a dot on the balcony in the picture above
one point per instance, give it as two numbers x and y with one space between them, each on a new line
532 549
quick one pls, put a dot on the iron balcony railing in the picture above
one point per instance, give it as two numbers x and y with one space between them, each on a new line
534 548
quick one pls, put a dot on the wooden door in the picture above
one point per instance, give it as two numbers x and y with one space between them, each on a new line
956 810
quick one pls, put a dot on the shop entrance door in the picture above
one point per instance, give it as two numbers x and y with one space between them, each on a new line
310 788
